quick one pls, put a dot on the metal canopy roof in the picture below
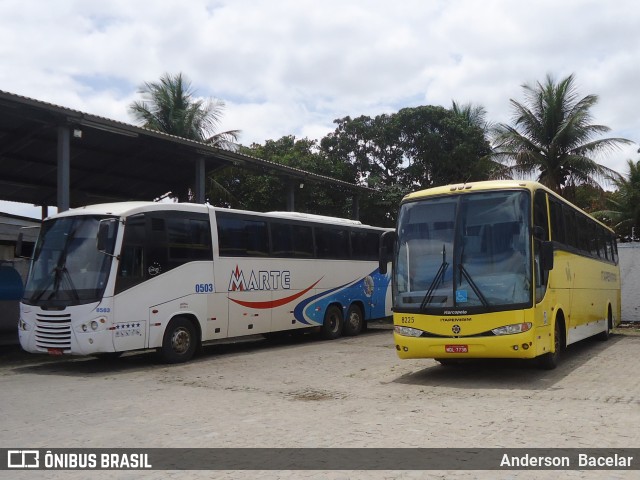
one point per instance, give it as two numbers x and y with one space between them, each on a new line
108 160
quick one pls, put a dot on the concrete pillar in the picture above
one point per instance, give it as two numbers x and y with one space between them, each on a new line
355 207
291 195
64 167
200 181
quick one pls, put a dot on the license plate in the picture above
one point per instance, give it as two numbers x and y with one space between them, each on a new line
56 352
456 348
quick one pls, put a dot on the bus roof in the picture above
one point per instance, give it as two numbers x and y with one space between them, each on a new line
124 209
491 185
473 186
128 208
313 217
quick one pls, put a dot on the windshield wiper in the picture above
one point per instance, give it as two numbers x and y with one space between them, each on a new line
464 273
428 298
62 273
37 295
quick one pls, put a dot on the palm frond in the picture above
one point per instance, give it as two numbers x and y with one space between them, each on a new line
552 137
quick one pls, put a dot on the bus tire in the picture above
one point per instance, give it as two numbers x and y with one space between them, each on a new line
354 322
333 323
604 336
550 360
179 342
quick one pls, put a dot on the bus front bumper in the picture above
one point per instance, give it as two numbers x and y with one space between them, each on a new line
79 343
519 345
56 334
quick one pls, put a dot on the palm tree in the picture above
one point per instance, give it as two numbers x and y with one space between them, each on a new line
624 213
170 106
475 115
552 137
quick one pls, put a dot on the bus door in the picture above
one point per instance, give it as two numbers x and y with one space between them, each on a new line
250 300
217 323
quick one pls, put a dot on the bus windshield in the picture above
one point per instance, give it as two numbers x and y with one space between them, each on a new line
67 268
469 251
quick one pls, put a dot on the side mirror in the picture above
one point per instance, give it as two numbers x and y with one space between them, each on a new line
106 234
539 233
546 256
19 246
387 245
22 250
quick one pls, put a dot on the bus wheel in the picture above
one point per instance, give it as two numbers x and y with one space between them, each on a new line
179 342
550 360
332 325
604 336
354 322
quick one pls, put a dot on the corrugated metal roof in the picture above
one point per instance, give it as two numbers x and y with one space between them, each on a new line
110 160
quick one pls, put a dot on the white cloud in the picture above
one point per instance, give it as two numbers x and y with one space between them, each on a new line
292 67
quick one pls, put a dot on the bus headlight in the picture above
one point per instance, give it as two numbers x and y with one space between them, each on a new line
92 326
512 329
407 331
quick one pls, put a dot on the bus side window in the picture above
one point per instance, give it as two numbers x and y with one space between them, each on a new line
302 241
240 236
364 245
571 228
131 265
155 243
281 240
332 243
557 222
541 225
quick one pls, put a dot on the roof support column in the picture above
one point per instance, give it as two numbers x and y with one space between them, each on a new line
355 207
291 195
200 180
64 167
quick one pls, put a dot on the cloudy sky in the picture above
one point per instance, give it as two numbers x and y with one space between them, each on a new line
291 67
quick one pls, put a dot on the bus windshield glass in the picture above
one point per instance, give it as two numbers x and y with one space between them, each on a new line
67 268
468 252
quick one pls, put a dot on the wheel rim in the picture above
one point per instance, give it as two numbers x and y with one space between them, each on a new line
333 322
354 320
180 340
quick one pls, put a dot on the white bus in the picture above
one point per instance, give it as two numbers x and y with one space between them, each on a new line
111 278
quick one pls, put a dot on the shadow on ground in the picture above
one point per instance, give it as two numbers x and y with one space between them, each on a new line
507 373
14 360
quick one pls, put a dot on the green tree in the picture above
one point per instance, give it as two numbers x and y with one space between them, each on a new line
589 198
171 106
442 147
552 137
623 212
414 148
370 147
266 190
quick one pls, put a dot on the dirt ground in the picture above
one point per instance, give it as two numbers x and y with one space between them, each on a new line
303 392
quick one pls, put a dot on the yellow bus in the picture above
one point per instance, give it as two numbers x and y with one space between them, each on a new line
499 269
